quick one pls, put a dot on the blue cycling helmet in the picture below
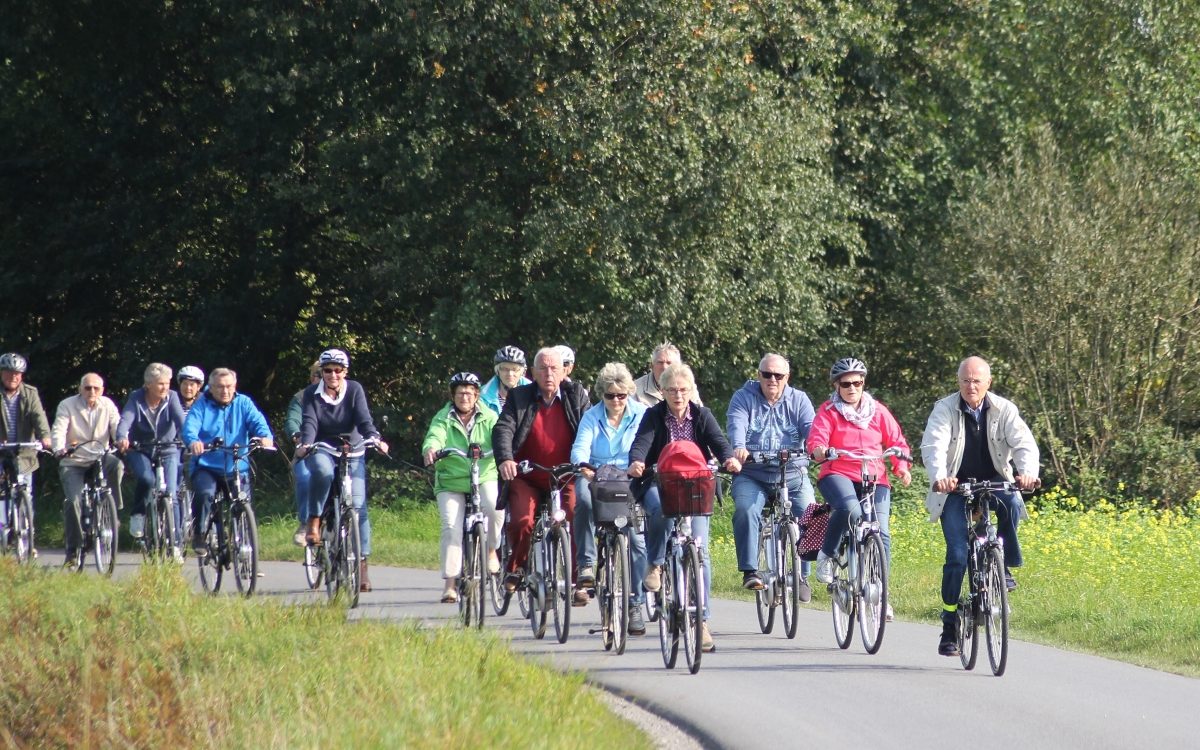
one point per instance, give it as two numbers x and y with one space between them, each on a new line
334 357
509 354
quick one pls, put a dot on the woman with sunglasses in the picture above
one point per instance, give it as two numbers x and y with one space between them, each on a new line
852 420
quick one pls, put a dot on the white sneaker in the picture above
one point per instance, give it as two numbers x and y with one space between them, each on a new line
890 614
824 568
137 525
298 538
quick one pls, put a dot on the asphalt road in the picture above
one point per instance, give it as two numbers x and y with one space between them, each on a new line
767 691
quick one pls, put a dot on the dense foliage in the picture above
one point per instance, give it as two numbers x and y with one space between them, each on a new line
244 184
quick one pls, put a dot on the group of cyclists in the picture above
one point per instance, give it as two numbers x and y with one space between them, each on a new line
547 420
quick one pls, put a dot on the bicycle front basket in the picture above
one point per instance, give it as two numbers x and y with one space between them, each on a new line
686 493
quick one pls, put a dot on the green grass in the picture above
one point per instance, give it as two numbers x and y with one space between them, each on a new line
148 662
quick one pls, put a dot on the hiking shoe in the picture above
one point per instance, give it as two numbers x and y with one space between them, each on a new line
137 525
587 576
637 626
653 580
706 639
298 538
824 568
752 581
1009 582
512 580
804 590
947 647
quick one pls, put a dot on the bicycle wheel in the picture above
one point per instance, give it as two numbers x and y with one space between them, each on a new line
605 572
691 598
968 616
535 587
841 594
790 566
620 593
243 548
560 588
211 568
668 630
351 556
873 592
314 571
184 498
23 526
764 598
500 597
166 528
471 604
994 607
104 531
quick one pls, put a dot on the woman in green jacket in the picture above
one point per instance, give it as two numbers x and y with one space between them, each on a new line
457 425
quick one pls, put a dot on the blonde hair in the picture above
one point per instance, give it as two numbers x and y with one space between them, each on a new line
614 373
677 375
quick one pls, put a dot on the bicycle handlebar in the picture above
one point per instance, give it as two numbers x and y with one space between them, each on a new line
832 454
559 472
475 453
783 455
364 444
970 487
255 445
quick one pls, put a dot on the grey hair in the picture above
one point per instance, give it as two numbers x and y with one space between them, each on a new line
665 346
677 375
614 373
987 368
762 363
155 372
546 352
219 373
86 375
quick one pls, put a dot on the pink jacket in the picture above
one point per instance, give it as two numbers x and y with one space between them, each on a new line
831 430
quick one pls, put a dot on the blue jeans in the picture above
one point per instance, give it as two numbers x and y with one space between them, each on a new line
749 498
143 474
205 483
658 528
954 530
322 467
303 477
842 496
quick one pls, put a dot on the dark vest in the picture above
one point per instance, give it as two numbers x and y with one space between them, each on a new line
976 460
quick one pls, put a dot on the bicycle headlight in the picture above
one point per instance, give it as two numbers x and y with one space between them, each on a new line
560 515
620 522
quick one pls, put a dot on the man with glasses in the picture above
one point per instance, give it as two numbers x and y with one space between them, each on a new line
86 422
974 434
649 392
764 417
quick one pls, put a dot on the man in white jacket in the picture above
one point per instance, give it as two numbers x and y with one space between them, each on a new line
973 434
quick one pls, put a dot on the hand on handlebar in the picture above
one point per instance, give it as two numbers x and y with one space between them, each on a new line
636 469
732 465
1027 484
508 470
946 484
430 456
741 454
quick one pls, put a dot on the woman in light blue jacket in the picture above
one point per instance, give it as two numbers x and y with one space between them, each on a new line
605 435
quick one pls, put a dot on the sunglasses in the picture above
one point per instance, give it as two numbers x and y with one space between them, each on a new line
850 384
333 371
616 396
93 388
772 375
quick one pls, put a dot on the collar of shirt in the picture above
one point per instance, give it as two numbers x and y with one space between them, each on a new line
976 412
323 393
557 396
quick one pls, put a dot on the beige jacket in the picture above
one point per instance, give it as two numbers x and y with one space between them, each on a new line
650 394
75 423
1010 441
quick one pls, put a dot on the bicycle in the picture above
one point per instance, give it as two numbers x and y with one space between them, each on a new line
474 574
162 536
337 557
18 502
97 516
612 515
860 568
680 599
501 597
231 533
548 580
984 590
778 561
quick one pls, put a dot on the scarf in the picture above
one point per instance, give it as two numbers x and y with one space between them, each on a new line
860 417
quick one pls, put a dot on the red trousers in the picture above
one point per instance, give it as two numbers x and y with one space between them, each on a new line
522 507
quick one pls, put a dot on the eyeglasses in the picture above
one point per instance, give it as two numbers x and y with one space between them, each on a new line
616 396
333 371
772 375
850 384
678 391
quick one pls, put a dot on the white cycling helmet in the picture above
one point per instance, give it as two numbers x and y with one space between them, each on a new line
334 357
190 372
847 365
568 354
13 361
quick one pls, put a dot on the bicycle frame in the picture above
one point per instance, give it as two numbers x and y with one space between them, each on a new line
550 589
777 545
340 552
94 500
472 576
18 500
986 598
156 522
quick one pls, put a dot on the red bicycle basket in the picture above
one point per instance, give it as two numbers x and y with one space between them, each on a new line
686 495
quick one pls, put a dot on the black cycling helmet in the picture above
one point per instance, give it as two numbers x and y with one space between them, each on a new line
845 365
334 357
464 378
509 354
17 363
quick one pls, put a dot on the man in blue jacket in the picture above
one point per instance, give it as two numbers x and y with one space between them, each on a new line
222 413
765 416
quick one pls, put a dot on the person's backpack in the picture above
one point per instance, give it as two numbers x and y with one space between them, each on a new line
686 484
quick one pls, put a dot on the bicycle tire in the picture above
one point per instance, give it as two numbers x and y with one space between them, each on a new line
621 594
968 616
471 604
243 548
764 598
842 598
995 609
791 582
606 589
692 611
23 527
561 588
104 534
314 572
351 557
873 592
500 598
535 588
211 567
668 631
166 528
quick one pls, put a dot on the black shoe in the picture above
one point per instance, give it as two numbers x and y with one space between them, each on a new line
512 581
199 544
947 647
1009 581
948 644
750 580
637 626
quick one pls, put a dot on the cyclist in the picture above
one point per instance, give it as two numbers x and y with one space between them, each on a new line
509 364
765 416
191 382
676 418
648 390
539 424
151 413
974 434
221 412
300 473
604 438
78 421
852 420
334 407
22 417
458 424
